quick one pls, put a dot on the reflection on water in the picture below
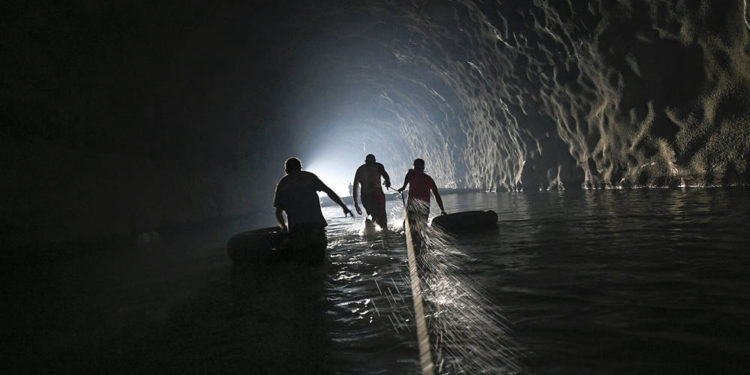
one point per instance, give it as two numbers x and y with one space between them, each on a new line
370 301
615 281
469 332
590 282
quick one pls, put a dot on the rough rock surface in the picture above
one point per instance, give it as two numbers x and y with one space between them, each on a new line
121 117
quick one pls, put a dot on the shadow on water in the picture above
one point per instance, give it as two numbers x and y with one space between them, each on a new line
283 310
179 307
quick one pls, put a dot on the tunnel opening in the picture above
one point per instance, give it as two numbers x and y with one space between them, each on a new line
512 96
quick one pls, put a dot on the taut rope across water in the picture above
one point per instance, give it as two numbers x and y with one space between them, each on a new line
423 337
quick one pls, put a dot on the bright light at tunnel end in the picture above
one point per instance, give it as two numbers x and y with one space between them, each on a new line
336 177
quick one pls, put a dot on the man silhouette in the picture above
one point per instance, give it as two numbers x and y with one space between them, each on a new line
368 175
296 194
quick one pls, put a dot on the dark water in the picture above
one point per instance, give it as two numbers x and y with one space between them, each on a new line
591 282
647 281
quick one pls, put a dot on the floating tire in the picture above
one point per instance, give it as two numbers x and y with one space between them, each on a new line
466 221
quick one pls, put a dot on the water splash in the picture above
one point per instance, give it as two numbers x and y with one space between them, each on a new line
470 334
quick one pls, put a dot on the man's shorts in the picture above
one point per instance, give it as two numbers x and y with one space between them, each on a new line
374 203
308 244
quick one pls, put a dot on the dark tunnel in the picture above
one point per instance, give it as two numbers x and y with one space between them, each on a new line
119 117
592 157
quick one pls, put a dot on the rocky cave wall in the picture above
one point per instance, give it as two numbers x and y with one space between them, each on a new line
118 117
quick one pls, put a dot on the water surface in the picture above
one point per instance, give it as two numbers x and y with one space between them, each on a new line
587 282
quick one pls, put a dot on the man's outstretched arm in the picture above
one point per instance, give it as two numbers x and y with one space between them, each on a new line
406 180
438 199
335 197
280 219
385 176
355 193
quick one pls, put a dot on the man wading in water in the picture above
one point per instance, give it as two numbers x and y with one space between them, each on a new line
296 194
368 175
418 204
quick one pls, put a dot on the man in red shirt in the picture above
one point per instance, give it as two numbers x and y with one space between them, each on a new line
368 176
420 186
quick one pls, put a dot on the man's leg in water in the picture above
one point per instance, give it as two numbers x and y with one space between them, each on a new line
367 204
382 216
417 223
309 243
419 212
375 206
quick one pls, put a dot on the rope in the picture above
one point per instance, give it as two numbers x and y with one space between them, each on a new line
423 338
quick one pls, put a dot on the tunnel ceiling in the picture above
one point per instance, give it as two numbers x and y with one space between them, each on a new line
494 94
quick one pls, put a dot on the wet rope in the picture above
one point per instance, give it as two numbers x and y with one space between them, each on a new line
423 337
